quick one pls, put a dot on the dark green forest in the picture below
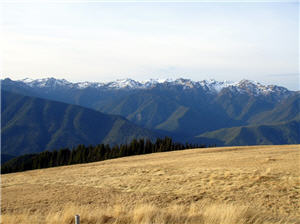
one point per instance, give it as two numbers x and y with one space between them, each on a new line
87 154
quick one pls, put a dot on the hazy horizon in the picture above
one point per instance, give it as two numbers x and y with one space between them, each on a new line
102 41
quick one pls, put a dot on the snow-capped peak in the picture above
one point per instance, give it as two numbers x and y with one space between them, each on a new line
256 88
124 83
27 80
216 86
45 82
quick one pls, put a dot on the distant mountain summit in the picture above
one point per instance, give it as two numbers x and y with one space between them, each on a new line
210 86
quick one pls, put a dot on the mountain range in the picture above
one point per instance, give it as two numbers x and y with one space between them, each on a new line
208 111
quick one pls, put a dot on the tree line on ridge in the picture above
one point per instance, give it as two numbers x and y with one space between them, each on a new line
86 154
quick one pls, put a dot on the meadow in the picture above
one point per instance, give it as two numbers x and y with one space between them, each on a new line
249 184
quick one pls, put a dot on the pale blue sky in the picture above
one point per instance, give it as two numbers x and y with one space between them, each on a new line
96 41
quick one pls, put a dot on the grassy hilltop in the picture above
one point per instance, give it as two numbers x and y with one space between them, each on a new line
257 184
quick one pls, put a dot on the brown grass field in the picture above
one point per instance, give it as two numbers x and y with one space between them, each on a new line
257 184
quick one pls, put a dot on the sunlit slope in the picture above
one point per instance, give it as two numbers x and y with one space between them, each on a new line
264 179
280 133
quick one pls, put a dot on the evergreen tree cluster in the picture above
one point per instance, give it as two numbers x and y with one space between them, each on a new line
86 154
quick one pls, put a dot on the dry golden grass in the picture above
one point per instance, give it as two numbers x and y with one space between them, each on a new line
258 184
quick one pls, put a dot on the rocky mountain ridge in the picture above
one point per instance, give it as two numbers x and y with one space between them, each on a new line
210 86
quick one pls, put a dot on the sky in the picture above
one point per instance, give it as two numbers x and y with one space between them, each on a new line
104 41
